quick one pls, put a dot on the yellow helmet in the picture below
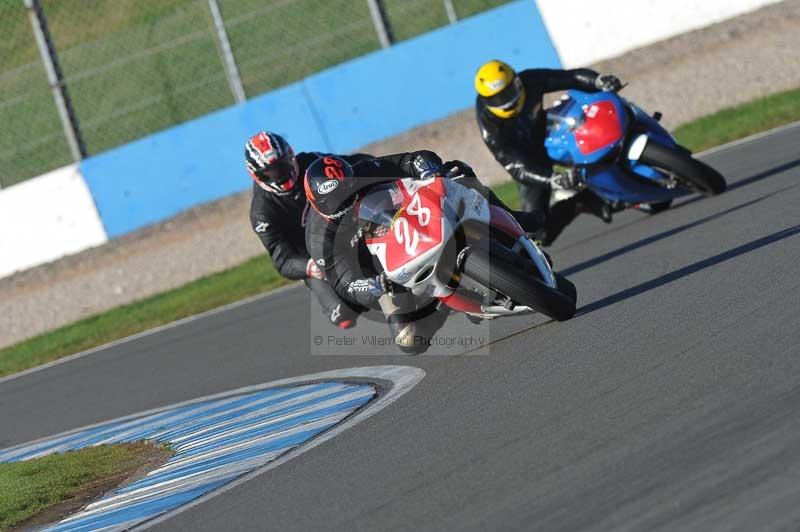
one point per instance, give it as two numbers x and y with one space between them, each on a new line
500 89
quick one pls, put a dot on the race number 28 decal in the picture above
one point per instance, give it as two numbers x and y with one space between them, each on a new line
403 233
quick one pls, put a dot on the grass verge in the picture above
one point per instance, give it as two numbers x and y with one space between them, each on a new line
740 121
257 275
36 492
253 277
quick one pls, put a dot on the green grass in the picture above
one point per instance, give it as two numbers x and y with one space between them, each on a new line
29 487
253 277
135 67
740 121
507 192
410 18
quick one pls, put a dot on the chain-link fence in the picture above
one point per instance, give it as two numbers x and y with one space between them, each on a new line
133 67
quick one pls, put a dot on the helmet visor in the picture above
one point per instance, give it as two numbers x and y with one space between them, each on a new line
507 98
278 174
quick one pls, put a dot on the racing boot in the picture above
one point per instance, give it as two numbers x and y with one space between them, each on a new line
333 307
563 212
343 316
530 222
589 202
397 309
412 328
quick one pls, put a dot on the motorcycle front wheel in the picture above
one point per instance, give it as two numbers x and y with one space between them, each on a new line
695 174
493 268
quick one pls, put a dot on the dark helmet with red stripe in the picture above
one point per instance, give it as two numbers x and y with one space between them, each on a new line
331 187
271 163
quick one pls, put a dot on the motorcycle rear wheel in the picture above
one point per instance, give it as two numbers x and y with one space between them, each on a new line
693 173
493 269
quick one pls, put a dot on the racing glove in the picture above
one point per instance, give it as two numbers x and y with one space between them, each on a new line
608 83
381 284
426 167
313 271
456 169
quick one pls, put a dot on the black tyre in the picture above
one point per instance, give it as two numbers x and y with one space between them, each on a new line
505 276
566 287
695 174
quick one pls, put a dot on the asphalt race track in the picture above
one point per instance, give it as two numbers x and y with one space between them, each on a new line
671 402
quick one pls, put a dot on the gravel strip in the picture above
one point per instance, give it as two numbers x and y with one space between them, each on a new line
684 77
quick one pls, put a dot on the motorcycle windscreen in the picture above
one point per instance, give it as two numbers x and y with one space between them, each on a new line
379 209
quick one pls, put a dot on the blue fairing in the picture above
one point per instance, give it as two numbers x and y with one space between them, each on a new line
611 175
561 143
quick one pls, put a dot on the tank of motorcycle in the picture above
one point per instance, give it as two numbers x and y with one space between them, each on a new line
584 128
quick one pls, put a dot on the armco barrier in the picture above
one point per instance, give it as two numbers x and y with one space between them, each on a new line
339 109
46 218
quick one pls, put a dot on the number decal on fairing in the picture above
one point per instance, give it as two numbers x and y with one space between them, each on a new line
415 208
402 231
402 235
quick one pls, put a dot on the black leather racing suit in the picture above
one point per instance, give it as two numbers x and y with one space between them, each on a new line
338 248
352 270
278 222
518 142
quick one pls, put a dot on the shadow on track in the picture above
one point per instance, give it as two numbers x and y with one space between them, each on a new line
742 183
765 174
689 270
775 170
661 236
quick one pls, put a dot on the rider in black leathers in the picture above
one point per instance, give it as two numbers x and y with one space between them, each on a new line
334 239
277 210
511 117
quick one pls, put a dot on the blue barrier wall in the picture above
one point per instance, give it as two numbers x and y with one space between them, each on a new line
427 78
160 175
339 109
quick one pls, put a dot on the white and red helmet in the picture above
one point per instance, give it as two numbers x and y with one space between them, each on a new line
271 163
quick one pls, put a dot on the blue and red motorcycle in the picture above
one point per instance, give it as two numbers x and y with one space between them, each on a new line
624 155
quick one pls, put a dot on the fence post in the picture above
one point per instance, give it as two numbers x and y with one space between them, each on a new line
228 60
451 11
56 80
382 26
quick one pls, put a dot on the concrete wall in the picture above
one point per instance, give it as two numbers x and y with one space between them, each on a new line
46 218
587 31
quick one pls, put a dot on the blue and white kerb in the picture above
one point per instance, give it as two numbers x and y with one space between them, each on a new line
216 441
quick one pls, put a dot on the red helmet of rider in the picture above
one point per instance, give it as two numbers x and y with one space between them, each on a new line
271 163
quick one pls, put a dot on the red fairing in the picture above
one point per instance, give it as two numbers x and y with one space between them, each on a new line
418 227
461 304
601 127
502 219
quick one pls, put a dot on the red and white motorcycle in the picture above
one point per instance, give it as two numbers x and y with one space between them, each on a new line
440 239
